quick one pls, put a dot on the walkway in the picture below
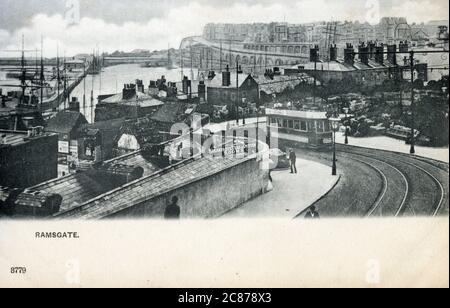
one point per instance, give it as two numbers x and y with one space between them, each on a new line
291 195
391 144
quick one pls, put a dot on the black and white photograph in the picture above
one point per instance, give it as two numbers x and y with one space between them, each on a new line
221 126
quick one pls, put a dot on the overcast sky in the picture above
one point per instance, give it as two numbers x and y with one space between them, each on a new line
149 24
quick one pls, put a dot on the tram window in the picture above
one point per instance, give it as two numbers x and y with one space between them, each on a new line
297 125
320 127
280 122
303 126
285 123
273 121
291 124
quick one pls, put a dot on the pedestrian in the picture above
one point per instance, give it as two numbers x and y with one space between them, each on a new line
172 210
312 213
293 159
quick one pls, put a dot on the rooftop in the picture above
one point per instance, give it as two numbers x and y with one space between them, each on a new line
217 81
278 84
150 187
75 189
298 114
16 138
65 122
140 99
170 112
340 66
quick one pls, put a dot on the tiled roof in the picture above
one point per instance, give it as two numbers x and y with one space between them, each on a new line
151 187
18 138
217 81
140 99
280 83
75 189
170 112
65 122
144 129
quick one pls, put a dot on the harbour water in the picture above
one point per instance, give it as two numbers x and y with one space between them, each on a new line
112 79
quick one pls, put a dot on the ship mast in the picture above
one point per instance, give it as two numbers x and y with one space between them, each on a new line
23 83
42 77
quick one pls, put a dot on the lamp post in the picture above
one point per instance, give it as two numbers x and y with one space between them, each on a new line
413 130
334 121
346 125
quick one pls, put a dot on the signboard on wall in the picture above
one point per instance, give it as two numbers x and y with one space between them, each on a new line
63 147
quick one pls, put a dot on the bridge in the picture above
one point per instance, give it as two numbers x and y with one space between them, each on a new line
150 61
254 57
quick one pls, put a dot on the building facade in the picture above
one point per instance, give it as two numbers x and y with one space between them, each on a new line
67 124
230 89
27 159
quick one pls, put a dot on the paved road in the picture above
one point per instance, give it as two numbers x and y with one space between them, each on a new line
378 183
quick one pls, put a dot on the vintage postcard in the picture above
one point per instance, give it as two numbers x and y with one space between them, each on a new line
224 144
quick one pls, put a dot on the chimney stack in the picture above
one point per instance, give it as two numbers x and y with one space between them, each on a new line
349 55
379 56
211 75
226 77
372 49
129 91
333 52
202 91
140 85
392 54
314 54
364 53
74 105
187 86
404 46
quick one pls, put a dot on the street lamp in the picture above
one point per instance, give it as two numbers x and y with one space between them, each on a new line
335 121
346 110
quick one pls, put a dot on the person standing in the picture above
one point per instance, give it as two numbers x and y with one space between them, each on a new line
293 159
312 213
172 210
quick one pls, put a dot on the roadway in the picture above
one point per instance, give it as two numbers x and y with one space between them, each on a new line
377 183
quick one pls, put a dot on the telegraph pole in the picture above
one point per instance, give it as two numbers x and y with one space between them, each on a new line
237 92
42 73
220 56
413 138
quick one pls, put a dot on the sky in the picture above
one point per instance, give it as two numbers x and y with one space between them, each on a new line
79 26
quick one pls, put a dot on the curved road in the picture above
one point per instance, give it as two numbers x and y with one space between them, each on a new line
378 183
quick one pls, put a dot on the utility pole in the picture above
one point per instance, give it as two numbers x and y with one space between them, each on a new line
84 89
58 76
65 82
413 138
220 56
42 77
92 89
237 92
192 62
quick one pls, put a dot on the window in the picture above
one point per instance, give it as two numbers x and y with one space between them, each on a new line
297 125
280 122
320 126
303 126
291 124
285 123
